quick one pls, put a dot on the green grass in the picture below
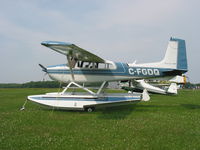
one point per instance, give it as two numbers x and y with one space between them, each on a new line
165 122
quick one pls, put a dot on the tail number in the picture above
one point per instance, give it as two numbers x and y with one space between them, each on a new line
143 71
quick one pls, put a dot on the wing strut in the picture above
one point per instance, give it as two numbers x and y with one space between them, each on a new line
71 63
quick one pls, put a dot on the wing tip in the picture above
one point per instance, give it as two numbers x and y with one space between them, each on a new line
50 43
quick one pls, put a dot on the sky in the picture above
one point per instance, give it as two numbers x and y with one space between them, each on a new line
117 30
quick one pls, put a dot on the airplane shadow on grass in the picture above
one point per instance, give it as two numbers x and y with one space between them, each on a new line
121 112
116 113
191 106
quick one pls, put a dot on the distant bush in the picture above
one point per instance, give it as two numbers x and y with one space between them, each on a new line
32 84
189 85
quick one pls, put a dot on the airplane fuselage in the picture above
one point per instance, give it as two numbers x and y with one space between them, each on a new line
118 71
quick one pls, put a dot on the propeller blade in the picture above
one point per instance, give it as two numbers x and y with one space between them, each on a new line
43 79
43 68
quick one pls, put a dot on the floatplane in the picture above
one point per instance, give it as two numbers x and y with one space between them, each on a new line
84 67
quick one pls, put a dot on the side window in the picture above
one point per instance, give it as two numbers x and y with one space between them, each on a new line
102 66
105 66
111 66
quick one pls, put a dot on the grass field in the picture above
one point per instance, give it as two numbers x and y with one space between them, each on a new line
165 122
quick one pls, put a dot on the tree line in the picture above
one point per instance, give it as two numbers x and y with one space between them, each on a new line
56 84
32 84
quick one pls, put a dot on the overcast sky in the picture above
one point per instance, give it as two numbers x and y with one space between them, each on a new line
118 30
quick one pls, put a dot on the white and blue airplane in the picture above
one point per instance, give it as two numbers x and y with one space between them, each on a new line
85 67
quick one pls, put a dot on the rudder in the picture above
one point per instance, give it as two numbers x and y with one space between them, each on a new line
182 57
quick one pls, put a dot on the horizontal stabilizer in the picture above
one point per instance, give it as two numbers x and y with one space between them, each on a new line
178 79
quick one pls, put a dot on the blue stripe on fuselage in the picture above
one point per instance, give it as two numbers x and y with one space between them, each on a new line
122 69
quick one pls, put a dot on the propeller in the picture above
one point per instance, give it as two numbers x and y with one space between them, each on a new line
43 79
43 68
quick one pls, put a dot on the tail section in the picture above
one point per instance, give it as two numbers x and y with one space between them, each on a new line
175 56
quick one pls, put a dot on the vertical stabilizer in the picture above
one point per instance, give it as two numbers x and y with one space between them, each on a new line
172 88
145 95
175 56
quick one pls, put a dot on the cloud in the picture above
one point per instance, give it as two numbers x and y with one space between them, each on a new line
129 13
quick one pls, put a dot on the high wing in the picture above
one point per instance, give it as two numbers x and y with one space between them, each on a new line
72 51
